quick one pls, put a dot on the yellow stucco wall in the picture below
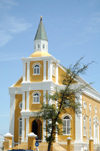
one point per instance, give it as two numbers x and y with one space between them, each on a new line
18 83
18 99
32 106
61 74
88 100
54 75
36 78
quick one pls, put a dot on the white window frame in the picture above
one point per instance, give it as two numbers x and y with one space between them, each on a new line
90 127
20 105
36 99
84 105
84 126
20 126
37 72
53 69
90 107
67 125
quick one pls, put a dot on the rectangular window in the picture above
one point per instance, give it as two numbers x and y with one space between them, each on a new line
20 127
66 127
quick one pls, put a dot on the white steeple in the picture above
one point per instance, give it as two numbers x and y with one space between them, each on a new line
41 40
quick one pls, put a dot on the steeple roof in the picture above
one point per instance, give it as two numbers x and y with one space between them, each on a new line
41 33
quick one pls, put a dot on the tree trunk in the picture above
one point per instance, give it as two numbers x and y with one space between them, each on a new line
49 146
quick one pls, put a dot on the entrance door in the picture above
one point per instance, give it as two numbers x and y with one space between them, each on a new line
37 128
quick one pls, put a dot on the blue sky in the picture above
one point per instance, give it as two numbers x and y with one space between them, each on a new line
73 29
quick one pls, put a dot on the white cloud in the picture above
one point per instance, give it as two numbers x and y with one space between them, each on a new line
4 38
10 26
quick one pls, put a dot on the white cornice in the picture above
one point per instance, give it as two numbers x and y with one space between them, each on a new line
28 86
28 113
40 58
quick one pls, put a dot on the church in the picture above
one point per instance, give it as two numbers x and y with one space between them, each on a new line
41 74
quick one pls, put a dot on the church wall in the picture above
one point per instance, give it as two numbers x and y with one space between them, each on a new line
85 111
36 78
54 75
61 74
18 99
32 106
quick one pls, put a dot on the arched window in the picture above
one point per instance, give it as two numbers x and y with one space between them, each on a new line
36 98
66 125
36 69
20 126
84 126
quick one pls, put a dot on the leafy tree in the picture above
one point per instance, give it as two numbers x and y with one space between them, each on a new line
62 99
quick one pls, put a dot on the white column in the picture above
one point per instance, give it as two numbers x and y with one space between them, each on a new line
27 127
50 70
56 73
44 130
12 113
23 128
23 102
44 96
27 102
28 71
98 133
78 121
24 70
44 71
94 134
56 137
44 121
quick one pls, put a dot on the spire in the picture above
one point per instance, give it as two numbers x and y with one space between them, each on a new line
41 40
41 33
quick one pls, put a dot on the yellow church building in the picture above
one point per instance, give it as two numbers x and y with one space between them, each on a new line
41 74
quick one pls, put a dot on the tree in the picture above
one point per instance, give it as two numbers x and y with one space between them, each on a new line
62 99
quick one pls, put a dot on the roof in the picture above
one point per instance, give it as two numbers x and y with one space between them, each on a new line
40 54
41 33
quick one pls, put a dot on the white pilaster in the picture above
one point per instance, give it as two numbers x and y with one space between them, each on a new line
44 130
24 70
12 113
27 127
44 96
56 137
23 102
78 121
98 133
28 71
23 128
44 121
44 70
50 70
56 73
27 102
